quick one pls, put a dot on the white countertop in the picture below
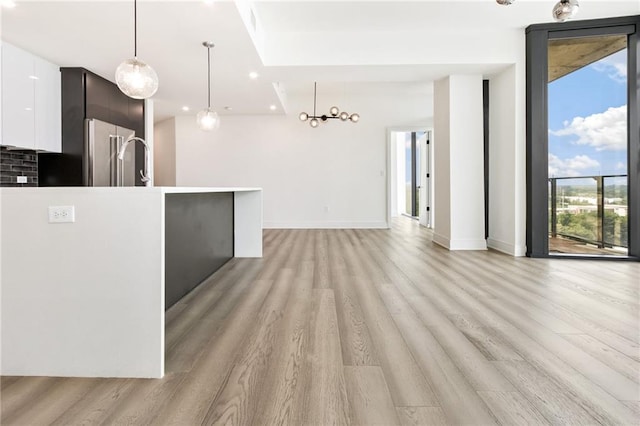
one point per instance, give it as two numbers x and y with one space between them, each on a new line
124 189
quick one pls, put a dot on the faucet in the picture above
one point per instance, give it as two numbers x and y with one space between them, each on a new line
144 176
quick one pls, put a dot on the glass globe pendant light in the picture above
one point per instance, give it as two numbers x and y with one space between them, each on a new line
565 9
135 78
505 2
208 119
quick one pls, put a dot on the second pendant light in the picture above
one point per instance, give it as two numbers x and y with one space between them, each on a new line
208 119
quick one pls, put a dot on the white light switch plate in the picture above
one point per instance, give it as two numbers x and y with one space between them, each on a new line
62 214
22 179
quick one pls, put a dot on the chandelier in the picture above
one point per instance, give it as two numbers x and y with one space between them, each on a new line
334 113
563 10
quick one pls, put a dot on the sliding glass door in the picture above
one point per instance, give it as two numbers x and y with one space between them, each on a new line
587 144
583 139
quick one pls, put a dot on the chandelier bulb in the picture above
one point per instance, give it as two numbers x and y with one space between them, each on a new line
355 117
303 116
565 9
505 2
314 122
334 111
344 116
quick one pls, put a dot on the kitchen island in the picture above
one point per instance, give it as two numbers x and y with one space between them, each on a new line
87 298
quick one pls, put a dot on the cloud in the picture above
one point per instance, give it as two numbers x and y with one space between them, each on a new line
571 167
605 131
621 166
615 66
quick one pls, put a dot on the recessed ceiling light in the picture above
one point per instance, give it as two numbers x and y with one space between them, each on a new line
253 75
185 108
273 107
33 77
9 4
228 108
28 109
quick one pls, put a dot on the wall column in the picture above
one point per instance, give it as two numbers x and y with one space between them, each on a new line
459 163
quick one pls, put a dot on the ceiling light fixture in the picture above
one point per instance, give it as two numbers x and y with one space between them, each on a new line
253 75
185 108
273 107
208 119
563 10
135 78
334 112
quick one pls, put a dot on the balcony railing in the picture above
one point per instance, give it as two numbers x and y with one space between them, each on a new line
590 209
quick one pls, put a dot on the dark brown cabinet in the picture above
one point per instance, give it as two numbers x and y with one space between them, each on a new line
106 102
87 95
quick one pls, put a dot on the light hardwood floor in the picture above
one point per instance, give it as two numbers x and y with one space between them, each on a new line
377 327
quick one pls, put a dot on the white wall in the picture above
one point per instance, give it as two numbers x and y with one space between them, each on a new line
330 177
507 163
441 167
458 144
164 158
84 298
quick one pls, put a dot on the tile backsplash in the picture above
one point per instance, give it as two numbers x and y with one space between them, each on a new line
14 163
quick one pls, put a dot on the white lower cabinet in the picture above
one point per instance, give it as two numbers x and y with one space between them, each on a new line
31 101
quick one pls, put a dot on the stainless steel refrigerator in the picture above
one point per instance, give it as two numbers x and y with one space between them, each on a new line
102 166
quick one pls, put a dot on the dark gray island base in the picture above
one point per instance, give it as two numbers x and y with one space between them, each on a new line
199 232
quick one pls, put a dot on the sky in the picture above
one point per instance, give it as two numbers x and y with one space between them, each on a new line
588 120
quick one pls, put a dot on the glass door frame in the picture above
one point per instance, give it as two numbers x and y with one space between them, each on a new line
537 210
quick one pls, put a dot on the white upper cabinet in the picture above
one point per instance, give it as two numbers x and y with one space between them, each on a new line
31 101
48 102
18 98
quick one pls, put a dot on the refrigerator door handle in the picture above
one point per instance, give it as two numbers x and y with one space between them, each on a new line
114 175
88 155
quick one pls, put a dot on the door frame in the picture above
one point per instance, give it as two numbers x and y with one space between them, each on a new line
391 168
537 38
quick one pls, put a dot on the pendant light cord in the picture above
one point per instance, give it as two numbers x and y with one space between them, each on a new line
135 28
315 89
209 76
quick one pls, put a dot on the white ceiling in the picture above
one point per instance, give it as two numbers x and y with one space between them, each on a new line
98 35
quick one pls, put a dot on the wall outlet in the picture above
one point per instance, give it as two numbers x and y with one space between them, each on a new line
62 214
22 179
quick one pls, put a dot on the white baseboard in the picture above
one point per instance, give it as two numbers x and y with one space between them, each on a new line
460 244
506 248
325 225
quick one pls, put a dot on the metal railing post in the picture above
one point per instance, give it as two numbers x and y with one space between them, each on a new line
600 201
554 219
